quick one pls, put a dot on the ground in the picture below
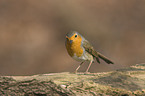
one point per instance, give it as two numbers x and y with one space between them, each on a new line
122 82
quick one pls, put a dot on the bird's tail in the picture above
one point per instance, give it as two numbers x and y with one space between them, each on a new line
104 58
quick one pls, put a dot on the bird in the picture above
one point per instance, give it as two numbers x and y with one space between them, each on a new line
81 50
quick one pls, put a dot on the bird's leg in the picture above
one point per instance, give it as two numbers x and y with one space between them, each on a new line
78 67
89 67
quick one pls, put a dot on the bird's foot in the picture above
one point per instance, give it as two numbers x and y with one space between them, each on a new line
75 72
86 72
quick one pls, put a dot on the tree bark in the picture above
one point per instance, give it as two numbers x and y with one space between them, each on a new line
123 82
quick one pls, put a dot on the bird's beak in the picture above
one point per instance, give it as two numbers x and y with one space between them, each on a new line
69 39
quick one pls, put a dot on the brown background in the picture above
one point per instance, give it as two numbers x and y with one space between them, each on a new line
32 33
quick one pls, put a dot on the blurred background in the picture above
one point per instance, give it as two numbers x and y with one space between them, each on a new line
32 34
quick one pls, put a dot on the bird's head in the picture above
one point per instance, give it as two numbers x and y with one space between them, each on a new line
73 36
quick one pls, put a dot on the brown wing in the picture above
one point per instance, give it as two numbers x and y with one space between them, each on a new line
89 48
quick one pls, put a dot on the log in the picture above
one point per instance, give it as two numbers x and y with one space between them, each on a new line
123 82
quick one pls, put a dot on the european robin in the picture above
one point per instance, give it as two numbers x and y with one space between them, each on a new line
81 50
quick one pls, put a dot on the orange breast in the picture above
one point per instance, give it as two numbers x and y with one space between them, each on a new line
74 47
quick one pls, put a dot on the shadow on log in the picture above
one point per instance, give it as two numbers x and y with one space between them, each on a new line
9 86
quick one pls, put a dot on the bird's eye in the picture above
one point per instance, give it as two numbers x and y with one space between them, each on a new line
76 36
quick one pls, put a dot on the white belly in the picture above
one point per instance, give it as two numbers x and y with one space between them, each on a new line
85 57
